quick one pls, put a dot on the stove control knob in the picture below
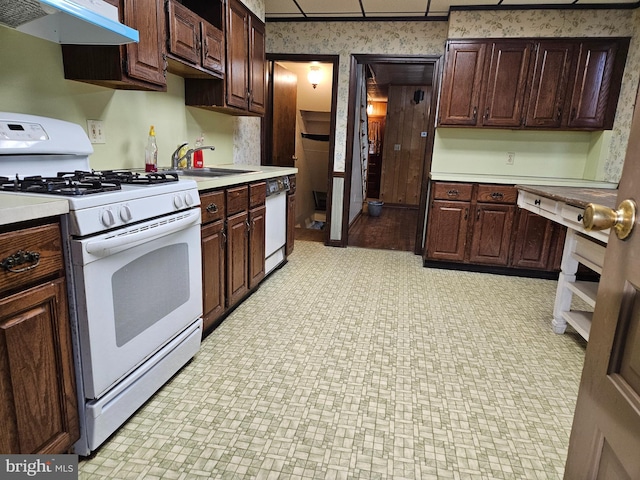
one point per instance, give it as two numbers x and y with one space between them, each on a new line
108 219
177 201
125 214
188 200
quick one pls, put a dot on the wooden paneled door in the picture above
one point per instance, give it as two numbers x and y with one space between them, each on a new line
404 145
284 91
605 439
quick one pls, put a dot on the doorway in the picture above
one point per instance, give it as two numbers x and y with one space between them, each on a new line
298 130
392 105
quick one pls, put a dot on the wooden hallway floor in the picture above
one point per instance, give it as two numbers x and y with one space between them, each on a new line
394 229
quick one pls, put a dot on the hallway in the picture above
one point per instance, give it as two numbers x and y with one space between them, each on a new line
355 363
394 229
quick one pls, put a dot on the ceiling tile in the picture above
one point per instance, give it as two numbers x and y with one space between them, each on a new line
283 8
330 8
441 7
396 8
529 2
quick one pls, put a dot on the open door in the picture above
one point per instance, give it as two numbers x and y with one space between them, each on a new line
605 438
283 125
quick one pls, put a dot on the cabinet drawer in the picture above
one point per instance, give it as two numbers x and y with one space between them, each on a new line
38 247
212 206
237 199
497 194
452 191
543 203
257 194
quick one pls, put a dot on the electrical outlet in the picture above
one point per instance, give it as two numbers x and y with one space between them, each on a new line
396 147
95 128
511 158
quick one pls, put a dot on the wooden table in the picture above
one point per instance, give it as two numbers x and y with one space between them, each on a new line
565 205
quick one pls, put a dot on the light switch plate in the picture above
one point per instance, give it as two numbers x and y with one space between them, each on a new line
95 129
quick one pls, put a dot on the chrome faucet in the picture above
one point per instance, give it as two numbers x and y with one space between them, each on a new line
175 159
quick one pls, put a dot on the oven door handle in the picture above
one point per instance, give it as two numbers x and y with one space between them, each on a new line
122 242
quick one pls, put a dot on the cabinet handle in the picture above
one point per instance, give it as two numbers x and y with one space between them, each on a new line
466 213
165 65
478 215
224 238
248 225
580 217
536 201
486 114
212 208
21 257
559 116
497 195
475 113
453 193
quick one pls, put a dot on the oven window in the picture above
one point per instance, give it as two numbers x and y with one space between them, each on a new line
148 289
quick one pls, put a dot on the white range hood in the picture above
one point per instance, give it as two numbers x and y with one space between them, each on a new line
76 22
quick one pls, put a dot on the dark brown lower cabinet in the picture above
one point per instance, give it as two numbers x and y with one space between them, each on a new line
213 270
257 225
447 237
479 224
38 403
491 234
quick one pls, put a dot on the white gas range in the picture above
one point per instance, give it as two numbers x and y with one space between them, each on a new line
132 247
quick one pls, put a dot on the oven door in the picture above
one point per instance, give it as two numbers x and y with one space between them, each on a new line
135 289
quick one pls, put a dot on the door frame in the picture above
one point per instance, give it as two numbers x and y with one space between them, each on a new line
364 59
267 123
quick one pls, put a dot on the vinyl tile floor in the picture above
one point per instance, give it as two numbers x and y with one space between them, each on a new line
361 364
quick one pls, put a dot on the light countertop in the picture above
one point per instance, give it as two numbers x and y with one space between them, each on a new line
19 208
520 180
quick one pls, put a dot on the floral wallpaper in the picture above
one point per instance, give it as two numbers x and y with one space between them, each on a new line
565 23
428 38
346 38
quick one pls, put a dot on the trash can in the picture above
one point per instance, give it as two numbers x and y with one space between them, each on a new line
374 208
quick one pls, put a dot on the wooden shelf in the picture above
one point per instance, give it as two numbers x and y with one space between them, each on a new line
587 291
581 321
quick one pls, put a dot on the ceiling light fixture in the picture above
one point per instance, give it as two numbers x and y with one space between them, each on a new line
315 75
369 108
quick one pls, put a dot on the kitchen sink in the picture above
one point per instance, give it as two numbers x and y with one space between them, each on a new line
211 172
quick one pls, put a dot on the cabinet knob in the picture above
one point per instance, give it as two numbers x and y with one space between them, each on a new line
13 262
622 220
536 201
212 208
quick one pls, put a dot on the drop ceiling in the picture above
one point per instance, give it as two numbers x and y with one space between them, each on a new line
295 10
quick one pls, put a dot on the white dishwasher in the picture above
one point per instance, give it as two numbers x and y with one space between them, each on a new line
276 222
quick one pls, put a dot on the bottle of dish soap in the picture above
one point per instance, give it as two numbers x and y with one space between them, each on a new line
151 152
198 156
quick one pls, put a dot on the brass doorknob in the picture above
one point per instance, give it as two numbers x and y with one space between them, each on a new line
599 217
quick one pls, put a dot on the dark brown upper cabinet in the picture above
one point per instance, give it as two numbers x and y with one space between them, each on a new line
460 96
505 83
567 84
134 66
243 91
550 81
195 45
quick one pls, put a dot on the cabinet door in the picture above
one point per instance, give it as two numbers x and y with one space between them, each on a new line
212 48
592 84
256 245
237 75
257 96
237 257
505 83
548 90
532 243
491 234
213 269
447 235
184 32
145 59
38 403
291 223
460 96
